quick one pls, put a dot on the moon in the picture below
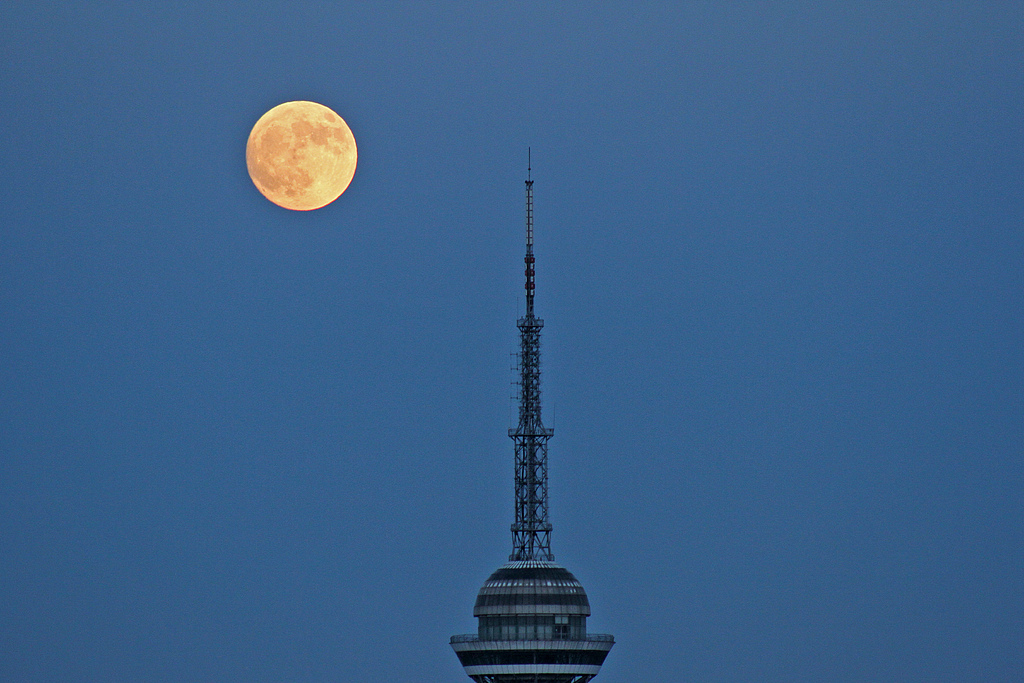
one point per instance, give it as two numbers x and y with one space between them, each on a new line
301 155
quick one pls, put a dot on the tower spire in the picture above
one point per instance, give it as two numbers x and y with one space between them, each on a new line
532 612
531 530
529 239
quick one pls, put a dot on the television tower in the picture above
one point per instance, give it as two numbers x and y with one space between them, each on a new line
532 612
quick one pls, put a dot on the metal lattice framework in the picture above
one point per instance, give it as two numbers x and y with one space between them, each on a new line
531 531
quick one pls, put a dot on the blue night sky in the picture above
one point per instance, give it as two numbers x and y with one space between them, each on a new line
779 255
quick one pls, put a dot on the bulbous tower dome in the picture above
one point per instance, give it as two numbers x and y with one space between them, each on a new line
551 602
532 628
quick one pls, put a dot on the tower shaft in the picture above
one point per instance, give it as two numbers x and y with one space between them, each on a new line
531 530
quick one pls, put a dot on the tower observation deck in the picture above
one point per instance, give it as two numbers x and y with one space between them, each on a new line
532 612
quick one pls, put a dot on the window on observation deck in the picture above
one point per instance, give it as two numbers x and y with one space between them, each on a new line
532 627
561 630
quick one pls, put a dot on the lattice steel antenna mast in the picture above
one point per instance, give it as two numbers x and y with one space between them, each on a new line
531 531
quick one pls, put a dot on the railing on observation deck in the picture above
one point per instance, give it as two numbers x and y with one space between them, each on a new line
594 637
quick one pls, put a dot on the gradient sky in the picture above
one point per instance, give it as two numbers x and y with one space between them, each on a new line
780 261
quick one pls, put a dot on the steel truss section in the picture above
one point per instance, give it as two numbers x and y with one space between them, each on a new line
531 531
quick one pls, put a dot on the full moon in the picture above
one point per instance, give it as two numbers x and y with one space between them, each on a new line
301 155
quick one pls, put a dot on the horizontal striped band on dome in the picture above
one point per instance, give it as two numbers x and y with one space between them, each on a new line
516 586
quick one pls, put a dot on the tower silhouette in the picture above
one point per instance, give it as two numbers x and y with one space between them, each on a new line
532 612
